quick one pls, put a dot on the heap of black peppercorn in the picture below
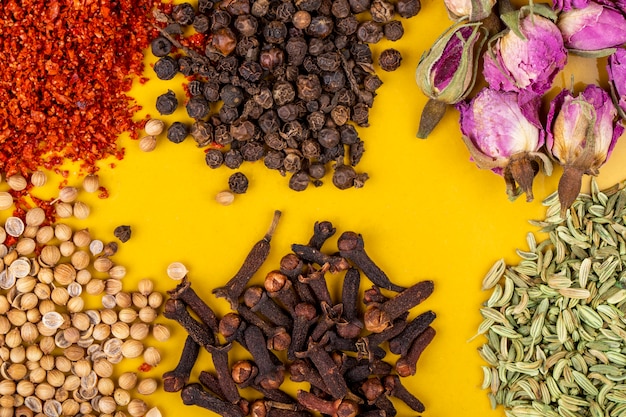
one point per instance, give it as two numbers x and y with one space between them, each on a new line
279 81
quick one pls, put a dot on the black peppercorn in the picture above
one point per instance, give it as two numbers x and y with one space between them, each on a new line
359 6
183 13
288 112
233 159
248 49
310 149
356 152
389 59
231 96
360 114
299 181
285 11
238 183
283 93
220 19
201 23
369 32
165 68
317 170
309 87
271 58
393 30
222 135
316 120
372 82
320 26
201 132
195 87
228 115
301 19
122 233
252 151
160 46
308 5
408 8
329 61
348 134
177 132
268 122
292 163
204 6
343 176
197 107
211 91
381 11
347 26
361 52
214 158
252 109
242 130
166 103
340 115
333 81
274 141
340 8
246 25
275 31
236 7
273 159
296 49
186 66
329 137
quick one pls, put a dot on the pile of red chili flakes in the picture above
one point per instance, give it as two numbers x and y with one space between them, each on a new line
65 69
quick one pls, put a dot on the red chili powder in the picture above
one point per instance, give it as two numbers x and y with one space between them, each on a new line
65 69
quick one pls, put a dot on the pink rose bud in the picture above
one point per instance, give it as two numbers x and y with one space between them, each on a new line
593 30
616 69
502 133
447 71
582 132
474 10
527 58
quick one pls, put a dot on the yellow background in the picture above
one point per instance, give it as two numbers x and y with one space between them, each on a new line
426 212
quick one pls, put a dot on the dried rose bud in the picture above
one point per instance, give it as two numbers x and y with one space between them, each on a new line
616 69
582 132
474 10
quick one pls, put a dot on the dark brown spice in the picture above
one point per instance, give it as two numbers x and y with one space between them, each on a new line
352 247
184 292
219 355
211 382
235 287
340 408
176 310
193 394
279 288
258 301
312 255
316 280
390 59
175 380
394 388
122 233
400 344
407 365
379 316
270 376
326 367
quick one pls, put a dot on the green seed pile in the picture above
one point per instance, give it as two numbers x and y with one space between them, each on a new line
555 323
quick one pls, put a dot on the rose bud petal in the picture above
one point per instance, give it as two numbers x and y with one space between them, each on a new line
565 5
593 30
616 69
526 62
474 10
447 71
503 133
582 132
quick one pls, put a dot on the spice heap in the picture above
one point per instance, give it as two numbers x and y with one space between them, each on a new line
334 348
280 81
57 357
67 67
556 322
502 125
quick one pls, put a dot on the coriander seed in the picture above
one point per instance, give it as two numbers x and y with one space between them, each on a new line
6 200
154 127
147 386
38 179
63 210
225 198
176 271
127 380
17 182
147 143
91 183
160 332
81 210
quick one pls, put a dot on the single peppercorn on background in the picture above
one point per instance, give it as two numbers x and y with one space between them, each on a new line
425 213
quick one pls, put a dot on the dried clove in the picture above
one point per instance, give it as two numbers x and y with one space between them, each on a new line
211 382
300 370
372 388
304 316
270 376
406 365
327 368
330 316
352 247
338 408
193 394
400 344
312 255
349 294
322 231
175 380
184 292
373 295
316 280
379 316
257 300
279 288
264 408
371 343
176 310
394 388
255 258
219 355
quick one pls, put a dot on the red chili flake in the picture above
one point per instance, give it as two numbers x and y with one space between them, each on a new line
103 192
67 66
144 367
